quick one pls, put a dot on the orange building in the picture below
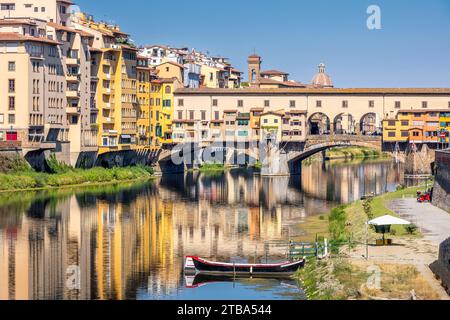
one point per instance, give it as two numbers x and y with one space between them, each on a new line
424 126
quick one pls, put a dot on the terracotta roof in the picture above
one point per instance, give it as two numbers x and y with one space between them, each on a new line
284 91
165 80
65 1
173 63
17 21
230 111
273 112
423 110
274 73
60 27
292 111
216 121
281 83
256 109
92 49
11 36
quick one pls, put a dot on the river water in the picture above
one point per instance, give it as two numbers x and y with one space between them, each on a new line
128 241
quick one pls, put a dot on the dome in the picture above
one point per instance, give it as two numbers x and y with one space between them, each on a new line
321 79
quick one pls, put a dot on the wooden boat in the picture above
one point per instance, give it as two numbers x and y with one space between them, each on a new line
242 269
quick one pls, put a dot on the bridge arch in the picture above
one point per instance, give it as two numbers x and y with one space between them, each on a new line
319 123
368 124
344 123
318 145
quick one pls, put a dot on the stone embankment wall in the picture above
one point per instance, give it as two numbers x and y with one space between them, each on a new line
441 267
441 190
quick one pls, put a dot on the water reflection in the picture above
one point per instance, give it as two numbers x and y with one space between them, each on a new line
128 241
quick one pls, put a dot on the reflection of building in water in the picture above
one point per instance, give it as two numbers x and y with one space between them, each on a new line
116 245
345 183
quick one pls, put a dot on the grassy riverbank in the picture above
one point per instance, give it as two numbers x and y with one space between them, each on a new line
28 179
354 153
341 277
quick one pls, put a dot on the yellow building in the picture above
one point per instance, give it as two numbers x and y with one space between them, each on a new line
444 123
397 129
143 98
271 123
162 108
168 70
115 74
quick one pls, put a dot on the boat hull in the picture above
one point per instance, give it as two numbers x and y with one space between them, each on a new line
228 269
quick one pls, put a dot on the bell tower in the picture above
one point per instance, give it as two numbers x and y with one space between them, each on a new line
254 68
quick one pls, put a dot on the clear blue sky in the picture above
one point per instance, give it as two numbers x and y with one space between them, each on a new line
411 50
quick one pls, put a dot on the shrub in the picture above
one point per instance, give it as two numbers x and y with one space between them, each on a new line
411 229
337 221
55 166
367 206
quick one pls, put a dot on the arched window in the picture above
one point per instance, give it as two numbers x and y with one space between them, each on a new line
168 89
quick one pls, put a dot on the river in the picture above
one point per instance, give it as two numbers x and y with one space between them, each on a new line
128 241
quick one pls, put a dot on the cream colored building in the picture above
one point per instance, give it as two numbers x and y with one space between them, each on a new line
33 88
57 11
327 110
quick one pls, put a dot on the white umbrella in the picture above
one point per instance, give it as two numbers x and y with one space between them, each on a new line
388 221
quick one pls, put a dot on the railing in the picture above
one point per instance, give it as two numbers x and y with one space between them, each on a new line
298 250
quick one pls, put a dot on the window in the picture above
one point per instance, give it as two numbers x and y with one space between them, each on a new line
345 104
318 104
240 103
180 102
405 134
12 103
216 115
168 89
398 105
214 102
449 104
292 103
11 86
8 6
415 133
391 134
11 118
405 123
391 123
166 103
2 118
191 115
424 104
203 115
266 103
11 66
371 104
180 115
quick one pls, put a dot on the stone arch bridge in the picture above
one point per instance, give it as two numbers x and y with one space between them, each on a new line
277 160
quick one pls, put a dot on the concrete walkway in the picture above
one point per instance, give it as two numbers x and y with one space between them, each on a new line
433 222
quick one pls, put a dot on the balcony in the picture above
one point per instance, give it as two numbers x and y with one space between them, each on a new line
73 110
109 120
72 61
73 78
73 94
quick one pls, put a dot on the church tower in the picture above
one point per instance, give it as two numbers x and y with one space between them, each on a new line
254 68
